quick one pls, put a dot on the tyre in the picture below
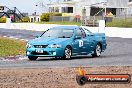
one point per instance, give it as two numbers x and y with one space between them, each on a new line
67 53
97 51
32 58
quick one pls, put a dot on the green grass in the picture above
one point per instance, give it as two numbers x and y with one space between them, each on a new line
117 22
62 23
10 47
120 23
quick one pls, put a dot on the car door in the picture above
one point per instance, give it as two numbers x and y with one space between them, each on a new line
80 45
75 44
84 43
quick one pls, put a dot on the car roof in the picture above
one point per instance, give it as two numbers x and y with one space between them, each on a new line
67 27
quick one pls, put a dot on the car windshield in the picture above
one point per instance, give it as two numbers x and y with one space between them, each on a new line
58 33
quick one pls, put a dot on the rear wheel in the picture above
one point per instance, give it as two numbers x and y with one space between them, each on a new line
97 51
32 58
67 53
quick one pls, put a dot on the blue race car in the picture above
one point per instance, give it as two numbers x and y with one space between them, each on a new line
65 42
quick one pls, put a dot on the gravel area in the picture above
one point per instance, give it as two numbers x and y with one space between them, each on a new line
56 77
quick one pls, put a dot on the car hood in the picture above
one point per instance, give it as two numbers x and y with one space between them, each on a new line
47 41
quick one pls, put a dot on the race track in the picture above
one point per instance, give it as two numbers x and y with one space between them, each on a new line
118 53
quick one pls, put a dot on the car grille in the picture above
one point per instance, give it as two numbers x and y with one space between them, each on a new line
44 53
40 46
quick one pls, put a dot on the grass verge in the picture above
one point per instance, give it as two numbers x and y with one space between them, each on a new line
10 47
120 23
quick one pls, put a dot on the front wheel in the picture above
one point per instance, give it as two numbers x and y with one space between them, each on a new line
67 53
97 51
32 58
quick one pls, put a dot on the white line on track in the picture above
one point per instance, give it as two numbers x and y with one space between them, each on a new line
4 36
11 37
26 40
16 38
22 39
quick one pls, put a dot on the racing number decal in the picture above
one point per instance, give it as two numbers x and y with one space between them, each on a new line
80 43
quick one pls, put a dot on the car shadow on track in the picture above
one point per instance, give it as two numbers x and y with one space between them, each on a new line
61 59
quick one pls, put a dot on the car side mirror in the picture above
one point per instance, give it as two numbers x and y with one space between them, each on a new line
77 37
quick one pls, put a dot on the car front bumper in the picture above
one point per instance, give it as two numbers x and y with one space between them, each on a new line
46 52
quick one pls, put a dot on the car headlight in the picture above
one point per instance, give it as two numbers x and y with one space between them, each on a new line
28 45
55 46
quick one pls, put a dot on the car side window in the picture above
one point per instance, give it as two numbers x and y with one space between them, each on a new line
83 32
87 31
80 32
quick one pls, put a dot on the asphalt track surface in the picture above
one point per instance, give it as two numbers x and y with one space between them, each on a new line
118 53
